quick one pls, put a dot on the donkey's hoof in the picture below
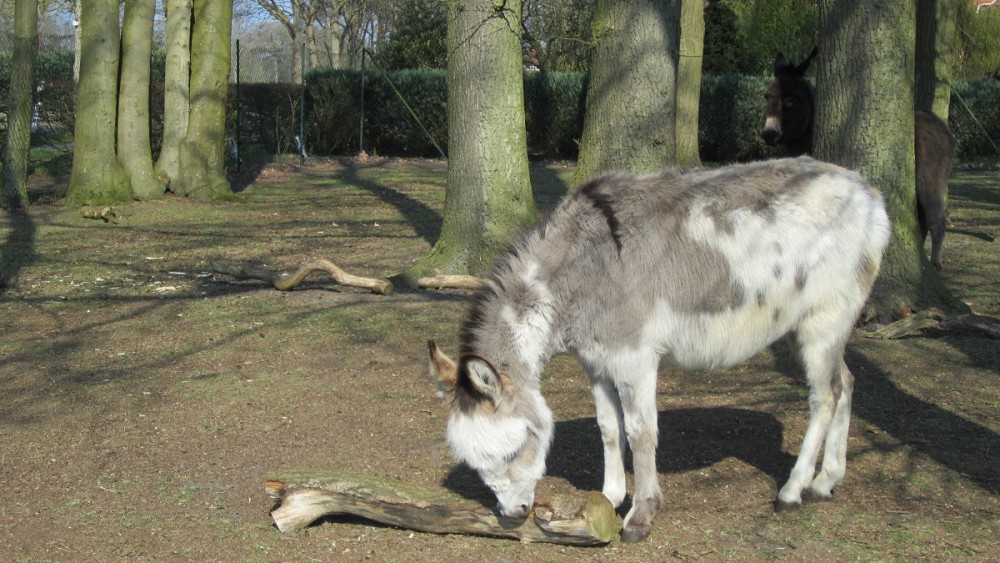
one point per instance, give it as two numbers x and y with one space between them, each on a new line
782 506
635 534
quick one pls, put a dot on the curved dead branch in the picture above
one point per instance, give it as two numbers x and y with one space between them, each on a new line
285 282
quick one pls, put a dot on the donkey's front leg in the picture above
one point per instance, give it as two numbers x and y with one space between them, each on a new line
609 420
637 390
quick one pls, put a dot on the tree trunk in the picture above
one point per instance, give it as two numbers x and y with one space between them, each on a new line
76 41
692 47
175 90
202 153
134 150
97 177
936 36
20 103
864 121
488 199
630 117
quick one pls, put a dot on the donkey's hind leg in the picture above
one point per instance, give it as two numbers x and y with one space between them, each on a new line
835 450
823 371
636 383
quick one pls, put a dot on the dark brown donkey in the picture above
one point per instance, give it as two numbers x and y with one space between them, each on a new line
789 124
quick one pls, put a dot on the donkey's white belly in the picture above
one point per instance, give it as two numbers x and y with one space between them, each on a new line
714 340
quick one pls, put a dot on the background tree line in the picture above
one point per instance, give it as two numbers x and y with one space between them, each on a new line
487 46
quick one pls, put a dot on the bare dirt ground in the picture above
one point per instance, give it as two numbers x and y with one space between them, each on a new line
143 399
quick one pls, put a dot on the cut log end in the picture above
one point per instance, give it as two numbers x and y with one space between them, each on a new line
306 497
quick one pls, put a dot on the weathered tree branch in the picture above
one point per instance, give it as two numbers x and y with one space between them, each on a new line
305 497
936 319
285 282
451 281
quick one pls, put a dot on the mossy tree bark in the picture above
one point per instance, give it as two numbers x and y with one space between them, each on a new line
864 121
202 152
97 177
20 102
134 150
175 92
630 116
692 47
488 199
936 47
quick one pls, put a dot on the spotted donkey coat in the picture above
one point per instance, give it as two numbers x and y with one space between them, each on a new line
702 270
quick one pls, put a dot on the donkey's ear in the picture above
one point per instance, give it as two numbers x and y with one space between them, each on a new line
483 378
780 63
804 66
442 368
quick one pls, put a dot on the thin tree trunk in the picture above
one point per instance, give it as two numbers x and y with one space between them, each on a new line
692 47
488 199
134 149
864 121
175 91
936 36
97 177
20 103
202 153
76 41
630 117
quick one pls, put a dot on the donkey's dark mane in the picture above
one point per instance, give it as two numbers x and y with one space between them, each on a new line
602 202
474 319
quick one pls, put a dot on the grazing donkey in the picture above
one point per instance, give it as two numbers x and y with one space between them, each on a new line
789 123
702 269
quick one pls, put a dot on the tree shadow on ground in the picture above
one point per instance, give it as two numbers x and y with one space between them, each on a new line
970 449
19 249
426 221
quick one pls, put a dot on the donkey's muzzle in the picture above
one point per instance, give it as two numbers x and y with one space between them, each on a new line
518 512
771 136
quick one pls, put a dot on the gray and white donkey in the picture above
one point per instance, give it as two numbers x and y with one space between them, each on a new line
702 269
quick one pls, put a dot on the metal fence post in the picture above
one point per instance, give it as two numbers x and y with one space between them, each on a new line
302 108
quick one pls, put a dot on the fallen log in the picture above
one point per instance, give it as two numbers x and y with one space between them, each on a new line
285 282
304 497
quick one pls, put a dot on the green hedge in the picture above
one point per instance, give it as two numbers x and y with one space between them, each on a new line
983 99
732 113
731 116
